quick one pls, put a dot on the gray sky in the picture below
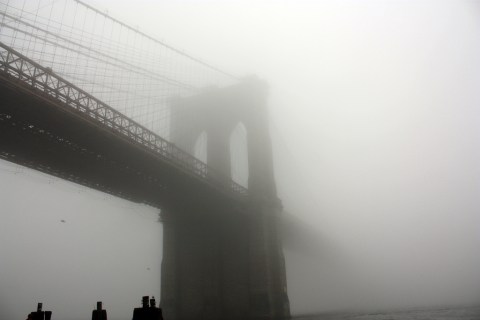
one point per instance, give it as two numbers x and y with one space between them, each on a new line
375 111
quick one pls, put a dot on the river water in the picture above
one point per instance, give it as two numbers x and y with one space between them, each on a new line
452 313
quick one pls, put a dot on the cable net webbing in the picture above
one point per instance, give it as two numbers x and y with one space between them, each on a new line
121 66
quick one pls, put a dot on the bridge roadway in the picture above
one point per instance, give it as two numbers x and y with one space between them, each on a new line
50 125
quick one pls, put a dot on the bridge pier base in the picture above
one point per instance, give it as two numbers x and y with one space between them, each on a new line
226 265
267 274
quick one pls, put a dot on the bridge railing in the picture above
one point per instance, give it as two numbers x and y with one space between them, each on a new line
44 79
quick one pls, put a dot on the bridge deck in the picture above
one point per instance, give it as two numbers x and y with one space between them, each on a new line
49 124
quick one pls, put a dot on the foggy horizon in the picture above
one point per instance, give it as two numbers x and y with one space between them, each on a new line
373 113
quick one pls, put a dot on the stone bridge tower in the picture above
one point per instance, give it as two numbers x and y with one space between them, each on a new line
221 260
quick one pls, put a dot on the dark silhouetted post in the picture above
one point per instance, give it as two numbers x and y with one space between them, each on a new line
99 313
39 314
147 312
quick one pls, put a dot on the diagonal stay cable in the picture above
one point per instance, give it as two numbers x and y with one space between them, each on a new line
148 72
156 40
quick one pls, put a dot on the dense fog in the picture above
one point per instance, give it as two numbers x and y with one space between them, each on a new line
374 113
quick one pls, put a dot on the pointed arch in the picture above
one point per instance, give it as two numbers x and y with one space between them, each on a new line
200 147
239 155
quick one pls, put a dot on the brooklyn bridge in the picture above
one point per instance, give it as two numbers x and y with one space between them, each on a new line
130 168
90 99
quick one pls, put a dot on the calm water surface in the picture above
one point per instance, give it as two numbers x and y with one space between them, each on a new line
469 313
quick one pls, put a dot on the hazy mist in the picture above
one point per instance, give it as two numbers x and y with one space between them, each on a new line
374 116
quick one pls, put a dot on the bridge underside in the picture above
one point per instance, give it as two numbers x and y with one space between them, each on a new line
38 132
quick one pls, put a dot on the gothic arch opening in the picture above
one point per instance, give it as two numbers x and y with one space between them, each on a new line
200 148
239 155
